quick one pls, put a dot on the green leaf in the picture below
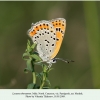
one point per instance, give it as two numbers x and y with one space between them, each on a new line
25 55
36 57
28 43
29 47
30 86
33 46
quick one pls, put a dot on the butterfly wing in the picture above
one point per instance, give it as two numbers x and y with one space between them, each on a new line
59 25
44 34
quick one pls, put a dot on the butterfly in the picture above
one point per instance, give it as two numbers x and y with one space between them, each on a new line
48 35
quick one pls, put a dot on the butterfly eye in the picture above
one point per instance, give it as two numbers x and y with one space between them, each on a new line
54 61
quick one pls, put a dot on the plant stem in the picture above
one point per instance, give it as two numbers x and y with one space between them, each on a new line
43 81
44 76
34 78
33 73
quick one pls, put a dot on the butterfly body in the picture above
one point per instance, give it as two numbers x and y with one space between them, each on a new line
48 36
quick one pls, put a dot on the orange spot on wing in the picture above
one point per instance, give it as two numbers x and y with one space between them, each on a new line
40 26
45 26
32 33
57 24
36 28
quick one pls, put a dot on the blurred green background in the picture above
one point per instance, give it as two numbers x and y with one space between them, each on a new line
81 43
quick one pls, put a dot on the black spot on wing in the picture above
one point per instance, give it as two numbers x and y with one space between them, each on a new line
54 38
56 29
57 39
37 36
54 33
46 44
52 44
61 31
62 24
42 33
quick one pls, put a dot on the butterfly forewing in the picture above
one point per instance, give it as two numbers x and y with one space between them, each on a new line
44 34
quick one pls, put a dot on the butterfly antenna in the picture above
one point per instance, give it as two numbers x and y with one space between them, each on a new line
66 61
